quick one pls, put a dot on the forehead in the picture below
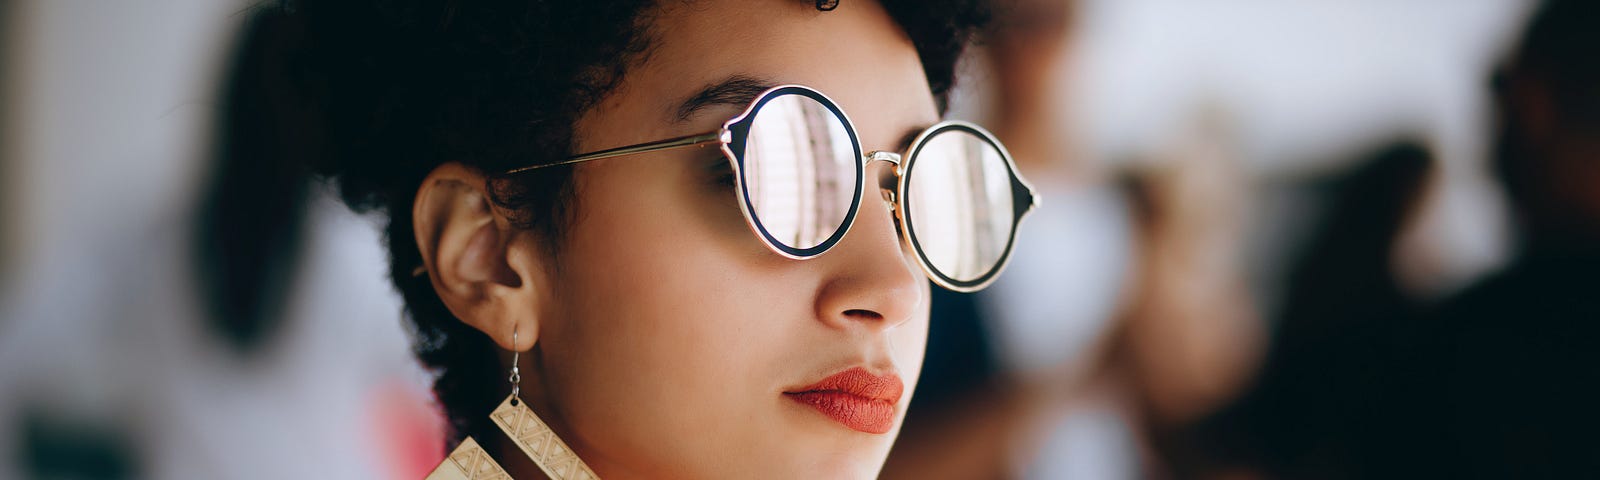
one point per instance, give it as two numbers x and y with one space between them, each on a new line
856 54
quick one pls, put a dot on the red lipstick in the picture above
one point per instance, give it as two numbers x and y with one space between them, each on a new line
859 400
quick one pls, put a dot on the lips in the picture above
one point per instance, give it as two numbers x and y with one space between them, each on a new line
857 399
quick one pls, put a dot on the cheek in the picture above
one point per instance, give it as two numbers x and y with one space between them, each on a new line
673 319
910 343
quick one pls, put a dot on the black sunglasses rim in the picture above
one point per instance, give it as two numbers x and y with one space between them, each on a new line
1020 202
740 129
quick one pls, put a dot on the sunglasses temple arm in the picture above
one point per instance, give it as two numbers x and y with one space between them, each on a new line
677 142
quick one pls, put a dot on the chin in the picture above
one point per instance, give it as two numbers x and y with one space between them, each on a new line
813 446
859 460
843 467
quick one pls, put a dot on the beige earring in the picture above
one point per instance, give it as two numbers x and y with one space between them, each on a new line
468 462
530 434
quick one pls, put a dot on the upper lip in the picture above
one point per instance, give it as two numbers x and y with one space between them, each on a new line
859 382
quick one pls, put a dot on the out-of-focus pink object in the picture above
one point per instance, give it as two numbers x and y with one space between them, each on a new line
408 430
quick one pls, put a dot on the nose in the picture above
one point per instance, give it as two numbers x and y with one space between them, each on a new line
871 281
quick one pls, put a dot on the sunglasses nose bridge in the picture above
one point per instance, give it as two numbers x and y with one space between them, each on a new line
882 156
889 178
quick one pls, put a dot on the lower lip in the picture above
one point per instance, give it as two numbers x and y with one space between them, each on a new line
859 413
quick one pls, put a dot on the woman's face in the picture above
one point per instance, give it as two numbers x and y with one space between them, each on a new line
675 343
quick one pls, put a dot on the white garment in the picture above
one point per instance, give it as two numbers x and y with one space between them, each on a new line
1065 280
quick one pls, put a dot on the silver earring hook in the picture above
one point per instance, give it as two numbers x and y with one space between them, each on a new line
516 373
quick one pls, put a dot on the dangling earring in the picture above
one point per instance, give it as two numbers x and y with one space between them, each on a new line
532 435
469 461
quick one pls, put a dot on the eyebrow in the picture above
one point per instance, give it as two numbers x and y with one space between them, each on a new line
735 90
739 90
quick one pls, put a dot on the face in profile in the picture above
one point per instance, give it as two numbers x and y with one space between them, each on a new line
667 341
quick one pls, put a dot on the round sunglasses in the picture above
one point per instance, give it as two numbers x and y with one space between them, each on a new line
800 174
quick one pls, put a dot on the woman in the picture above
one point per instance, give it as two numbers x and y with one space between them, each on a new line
660 327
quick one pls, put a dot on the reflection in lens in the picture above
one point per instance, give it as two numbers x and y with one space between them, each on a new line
800 171
959 197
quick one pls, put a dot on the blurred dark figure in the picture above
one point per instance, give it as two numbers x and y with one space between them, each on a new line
1327 403
1518 355
1497 382
250 227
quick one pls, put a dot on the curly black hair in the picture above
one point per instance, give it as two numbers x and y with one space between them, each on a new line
375 94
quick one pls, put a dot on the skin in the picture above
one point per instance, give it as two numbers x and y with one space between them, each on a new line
660 340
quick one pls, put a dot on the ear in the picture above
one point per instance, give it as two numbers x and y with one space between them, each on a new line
489 274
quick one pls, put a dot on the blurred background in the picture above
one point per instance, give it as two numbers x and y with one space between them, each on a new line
1311 239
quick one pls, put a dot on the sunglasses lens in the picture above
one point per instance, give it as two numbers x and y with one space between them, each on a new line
959 198
800 172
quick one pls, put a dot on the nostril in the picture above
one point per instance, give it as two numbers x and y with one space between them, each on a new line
863 314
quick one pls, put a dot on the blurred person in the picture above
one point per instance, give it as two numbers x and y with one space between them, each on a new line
1191 339
1494 382
109 367
1511 360
1125 311
1326 402
669 312
1002 364
1193 333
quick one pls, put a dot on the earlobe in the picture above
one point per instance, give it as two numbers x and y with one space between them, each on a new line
468 248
